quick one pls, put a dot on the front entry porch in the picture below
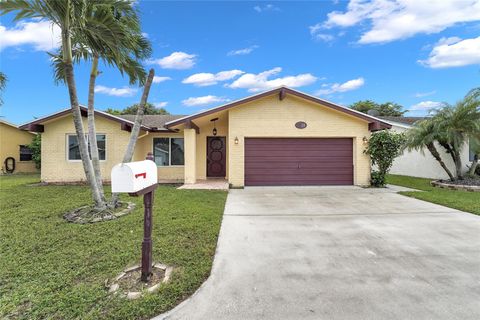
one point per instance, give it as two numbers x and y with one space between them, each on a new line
207 184
206 152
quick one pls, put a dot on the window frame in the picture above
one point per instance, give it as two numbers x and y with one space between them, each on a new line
169 152
67 150
20 153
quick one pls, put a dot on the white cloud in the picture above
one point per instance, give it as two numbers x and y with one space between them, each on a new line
267 7
158 79
323 37
258 82
42 35
391 20
160 104
243 51
202 101
177 60
116 92
425 106
317 33
208 79
424 94
350 85
454 52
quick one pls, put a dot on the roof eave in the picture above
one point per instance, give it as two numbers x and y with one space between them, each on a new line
64 112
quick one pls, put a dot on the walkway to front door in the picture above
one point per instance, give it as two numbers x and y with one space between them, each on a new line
339 253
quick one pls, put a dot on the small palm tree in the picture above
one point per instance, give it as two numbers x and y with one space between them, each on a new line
456 124
423 135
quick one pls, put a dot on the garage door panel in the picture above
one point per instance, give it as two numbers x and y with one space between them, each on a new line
299 147
298 161
304 175
329 166
300 171
298 141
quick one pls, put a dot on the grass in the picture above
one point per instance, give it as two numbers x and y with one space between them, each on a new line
461 200
51 269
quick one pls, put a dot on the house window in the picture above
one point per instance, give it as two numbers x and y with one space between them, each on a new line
168 151
25 153
74 149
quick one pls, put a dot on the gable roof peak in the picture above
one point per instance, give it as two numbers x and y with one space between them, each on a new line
282 91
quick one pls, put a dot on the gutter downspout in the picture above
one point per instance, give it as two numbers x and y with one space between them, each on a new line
143 135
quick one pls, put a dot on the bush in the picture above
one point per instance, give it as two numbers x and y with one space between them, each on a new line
377 179
383 147
36 146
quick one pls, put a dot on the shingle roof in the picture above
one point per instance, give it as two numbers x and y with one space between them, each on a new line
153 121
405 120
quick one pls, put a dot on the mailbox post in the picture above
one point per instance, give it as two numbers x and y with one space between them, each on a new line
136 179
147 231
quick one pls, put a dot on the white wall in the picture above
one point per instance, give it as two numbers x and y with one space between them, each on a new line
416 164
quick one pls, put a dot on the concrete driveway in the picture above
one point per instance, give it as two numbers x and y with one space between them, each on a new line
339 253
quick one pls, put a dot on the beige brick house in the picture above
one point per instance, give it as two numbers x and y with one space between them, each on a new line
278 137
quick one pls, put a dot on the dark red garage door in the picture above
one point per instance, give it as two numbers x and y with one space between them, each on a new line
294 161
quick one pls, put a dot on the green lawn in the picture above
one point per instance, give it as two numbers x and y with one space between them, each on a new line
461 200
51 269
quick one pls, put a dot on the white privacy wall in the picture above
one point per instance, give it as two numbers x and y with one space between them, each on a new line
416 164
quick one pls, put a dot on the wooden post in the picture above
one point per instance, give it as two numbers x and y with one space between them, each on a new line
147 232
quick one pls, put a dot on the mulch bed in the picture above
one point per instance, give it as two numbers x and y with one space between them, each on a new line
467 184
467 181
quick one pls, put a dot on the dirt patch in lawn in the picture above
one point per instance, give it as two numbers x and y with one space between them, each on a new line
88 214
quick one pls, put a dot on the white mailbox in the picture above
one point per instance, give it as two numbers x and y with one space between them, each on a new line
132 177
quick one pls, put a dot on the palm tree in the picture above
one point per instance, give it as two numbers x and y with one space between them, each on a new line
456 124
131 47
3 84
423 135
77 25
475 142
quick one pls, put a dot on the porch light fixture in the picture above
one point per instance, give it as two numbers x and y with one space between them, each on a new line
214 132
236 140
365 140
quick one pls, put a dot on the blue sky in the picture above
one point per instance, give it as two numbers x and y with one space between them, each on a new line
207 53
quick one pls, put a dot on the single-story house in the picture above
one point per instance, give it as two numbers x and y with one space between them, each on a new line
278 137
15 155
423 164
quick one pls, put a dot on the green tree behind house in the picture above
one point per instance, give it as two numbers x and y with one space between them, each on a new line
149 109
384 109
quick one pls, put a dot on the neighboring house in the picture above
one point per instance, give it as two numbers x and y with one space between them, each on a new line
422 164
278 137
14 145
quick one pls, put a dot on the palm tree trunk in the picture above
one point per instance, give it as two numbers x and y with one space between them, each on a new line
436 155
92 132
127 157
77 116
474 165
458 164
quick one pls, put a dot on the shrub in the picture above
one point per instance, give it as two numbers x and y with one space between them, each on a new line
377 179
35 146
383 147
